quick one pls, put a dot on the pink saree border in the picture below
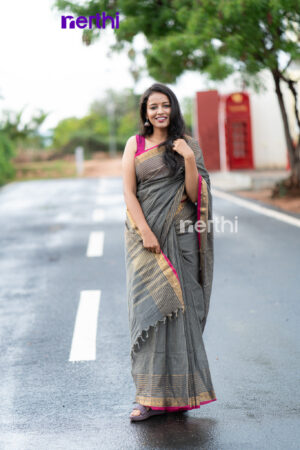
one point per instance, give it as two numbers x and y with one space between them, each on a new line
179 408
199 207
170 264
141 145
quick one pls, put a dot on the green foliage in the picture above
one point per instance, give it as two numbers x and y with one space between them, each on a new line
64 130
252 34
213 36
14 134
23 134
92 131
7 152
218 37
188 112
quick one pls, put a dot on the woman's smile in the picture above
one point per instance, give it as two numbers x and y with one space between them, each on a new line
159 109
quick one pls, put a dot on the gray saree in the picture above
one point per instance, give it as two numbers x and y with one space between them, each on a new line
169 293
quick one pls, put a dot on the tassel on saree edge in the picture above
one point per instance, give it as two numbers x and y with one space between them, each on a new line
140 339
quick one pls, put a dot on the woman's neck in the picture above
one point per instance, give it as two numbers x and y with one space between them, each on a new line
158 136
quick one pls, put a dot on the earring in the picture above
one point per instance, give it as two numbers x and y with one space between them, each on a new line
147 123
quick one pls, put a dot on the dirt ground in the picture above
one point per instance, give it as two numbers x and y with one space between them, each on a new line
102 166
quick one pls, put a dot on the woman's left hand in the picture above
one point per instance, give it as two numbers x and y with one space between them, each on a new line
181 147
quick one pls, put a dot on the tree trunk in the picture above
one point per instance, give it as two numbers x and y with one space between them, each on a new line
296 167
293 150
288 138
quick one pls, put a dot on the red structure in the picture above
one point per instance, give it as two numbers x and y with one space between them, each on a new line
223 127
207 127
238 131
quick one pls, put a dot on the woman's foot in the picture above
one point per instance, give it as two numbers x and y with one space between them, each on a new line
141 412
137 412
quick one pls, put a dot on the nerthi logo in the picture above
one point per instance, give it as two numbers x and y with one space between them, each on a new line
99 20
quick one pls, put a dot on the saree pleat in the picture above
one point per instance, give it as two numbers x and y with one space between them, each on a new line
169 293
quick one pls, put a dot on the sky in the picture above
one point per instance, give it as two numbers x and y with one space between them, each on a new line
44 66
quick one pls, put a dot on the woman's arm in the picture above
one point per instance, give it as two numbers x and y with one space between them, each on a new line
191 181
191 177
129 186
193 143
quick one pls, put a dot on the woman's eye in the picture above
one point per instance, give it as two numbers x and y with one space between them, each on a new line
165 106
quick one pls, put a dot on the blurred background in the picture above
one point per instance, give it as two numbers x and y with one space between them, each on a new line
234 65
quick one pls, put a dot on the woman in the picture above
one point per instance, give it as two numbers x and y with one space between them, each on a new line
169 259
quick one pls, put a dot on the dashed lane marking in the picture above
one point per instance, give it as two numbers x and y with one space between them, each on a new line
95 245
85 330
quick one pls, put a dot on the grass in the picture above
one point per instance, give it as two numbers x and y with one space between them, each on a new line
45 170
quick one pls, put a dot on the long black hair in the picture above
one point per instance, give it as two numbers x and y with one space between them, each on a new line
176 128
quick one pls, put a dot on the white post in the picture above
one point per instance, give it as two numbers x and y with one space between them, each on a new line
79 157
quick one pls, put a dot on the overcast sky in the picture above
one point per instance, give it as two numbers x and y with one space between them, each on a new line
43 66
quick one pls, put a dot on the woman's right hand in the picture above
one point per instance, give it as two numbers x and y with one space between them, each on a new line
150 241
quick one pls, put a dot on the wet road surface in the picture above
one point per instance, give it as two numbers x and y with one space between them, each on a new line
55 398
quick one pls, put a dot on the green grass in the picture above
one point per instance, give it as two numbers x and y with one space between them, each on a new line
45 170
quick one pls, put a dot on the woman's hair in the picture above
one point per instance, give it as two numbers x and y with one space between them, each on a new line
176 128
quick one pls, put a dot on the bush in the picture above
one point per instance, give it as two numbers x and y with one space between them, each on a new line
7 152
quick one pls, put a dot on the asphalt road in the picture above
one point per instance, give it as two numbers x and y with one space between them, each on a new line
48 401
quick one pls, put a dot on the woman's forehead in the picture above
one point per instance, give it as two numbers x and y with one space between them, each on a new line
157 97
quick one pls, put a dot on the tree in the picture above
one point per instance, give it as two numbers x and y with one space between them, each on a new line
92 130
256 35
23 134
13 135
7 152
217 37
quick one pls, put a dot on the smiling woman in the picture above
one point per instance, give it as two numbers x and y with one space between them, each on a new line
169 269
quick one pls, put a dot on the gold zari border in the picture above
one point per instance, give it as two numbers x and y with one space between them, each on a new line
149 154
164 266
169 401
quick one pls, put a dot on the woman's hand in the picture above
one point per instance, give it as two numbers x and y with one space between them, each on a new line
181 147
150 241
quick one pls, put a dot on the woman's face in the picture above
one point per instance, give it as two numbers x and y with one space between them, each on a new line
158 110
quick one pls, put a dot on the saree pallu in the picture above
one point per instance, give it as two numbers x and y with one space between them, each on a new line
169 293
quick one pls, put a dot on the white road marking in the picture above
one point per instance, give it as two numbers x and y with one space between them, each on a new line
95 245
85 331
257 208
98 215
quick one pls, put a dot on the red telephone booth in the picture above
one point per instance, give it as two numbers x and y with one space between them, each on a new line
238 131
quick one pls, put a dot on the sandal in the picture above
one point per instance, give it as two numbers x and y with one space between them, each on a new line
145 414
